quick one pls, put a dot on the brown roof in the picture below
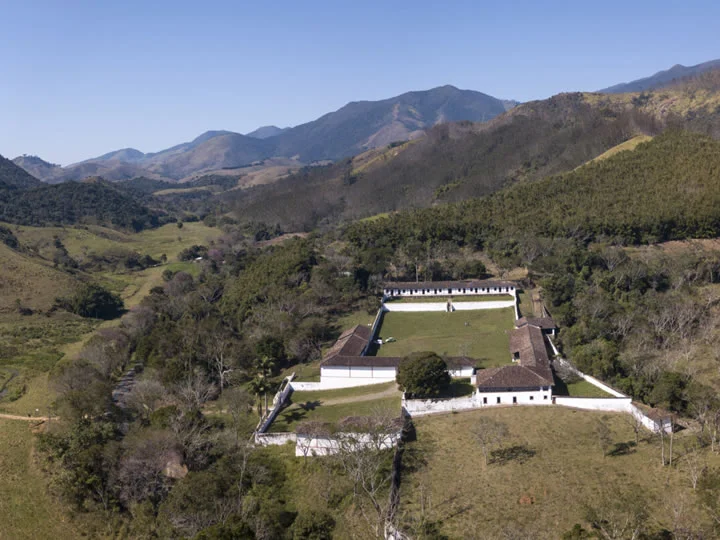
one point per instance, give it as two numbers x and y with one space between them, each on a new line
546 323
529 342
532 369
469 284
509 377
361 361
457 362
352 342
339 360
653 413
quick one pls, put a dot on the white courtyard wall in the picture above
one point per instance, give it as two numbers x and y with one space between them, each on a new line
442 306
595 404
421 407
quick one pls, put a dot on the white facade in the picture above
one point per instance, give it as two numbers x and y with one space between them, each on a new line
479 400
347 377
365 373
428 290
443 306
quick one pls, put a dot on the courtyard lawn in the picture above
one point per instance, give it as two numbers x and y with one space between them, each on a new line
585 389
552 467
481 334
333 405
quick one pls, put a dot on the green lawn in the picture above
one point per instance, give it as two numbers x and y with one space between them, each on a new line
585 389
316 411
481 334
344 393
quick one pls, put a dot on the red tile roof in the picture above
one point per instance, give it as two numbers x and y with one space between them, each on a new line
546 323
352 342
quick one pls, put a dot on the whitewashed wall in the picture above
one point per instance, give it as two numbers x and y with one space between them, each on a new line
335 384
274 439
366 373
595 404
442 306
465 372
421 407
323 446
277 404
592 380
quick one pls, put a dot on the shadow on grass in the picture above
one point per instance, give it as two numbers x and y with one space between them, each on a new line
622 449
309 405
517 453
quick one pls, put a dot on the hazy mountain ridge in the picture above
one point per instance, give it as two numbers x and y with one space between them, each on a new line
14 176
457 161
352 129
265 132
661 78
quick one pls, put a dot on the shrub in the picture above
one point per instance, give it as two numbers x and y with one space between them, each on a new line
423 374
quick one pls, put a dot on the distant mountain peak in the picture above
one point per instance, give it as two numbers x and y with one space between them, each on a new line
661 78
265 132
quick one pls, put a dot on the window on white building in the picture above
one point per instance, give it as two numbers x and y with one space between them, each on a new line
484 401
498 399
532 398
514 399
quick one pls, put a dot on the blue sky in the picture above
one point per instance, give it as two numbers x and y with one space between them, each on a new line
83 78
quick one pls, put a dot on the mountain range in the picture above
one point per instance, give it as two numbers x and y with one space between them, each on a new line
351 130
354 128
662 79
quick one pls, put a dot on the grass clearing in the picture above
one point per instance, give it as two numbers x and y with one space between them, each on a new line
315 410
481 334
27 510
541 497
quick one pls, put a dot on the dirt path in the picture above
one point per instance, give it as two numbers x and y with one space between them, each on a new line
25 418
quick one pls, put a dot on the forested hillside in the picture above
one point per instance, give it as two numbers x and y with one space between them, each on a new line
69 203
452 162
13 176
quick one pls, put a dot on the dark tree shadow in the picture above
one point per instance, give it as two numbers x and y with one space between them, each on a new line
309 405
622 449
518 453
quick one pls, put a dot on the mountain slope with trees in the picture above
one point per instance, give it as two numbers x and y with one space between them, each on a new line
12 176
662 79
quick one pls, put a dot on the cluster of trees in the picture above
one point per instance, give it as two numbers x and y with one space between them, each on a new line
149 456
76 202
92 300
451 163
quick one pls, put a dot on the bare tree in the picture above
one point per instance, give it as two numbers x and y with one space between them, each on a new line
619 514
364 452
489 433
146 396
635 423
603 436
308 432
694 463
195 391
239 404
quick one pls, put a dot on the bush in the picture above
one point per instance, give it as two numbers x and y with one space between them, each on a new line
423 374
313 526
93 301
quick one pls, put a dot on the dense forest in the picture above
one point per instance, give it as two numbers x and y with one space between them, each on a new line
72 202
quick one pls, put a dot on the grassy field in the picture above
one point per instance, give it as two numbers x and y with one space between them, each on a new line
26 508
628 145
79 241
541 496
31 280
585 389
481 334
333 405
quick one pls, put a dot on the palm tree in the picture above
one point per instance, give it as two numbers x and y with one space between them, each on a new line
260 385
265 366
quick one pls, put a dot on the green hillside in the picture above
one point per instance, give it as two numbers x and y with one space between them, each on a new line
69 203
13 176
